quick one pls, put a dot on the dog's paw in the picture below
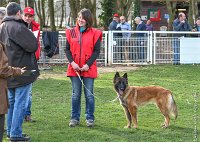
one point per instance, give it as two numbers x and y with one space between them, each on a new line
135 126
128 126
164 126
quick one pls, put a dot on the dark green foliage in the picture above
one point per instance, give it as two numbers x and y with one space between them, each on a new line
107 12
136 10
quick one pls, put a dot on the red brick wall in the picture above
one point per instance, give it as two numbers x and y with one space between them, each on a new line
152 5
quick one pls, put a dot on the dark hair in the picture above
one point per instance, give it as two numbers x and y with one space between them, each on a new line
12 8
87 16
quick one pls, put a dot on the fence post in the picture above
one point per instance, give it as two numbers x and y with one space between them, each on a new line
150 47
106 48
154 47
110 46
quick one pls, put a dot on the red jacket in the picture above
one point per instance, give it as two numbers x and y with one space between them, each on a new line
81 47
35 27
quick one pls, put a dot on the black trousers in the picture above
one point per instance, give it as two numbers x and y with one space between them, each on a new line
2 120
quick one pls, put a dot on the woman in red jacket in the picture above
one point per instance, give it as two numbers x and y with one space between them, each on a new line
82 48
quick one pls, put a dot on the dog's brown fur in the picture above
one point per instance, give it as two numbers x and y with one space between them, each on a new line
131 97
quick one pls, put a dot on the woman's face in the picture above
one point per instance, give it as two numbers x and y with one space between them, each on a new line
81 21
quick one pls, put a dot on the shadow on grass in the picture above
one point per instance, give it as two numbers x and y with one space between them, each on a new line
173 133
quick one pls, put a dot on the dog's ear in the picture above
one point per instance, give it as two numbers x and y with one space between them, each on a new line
125 76
116 76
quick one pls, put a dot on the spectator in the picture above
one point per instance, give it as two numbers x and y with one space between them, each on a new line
5 71
149 26
21 45
82 66
179 24
28 17
140 38
113 25
124 26
197 25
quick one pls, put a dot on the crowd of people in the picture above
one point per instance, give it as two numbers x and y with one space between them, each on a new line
119 23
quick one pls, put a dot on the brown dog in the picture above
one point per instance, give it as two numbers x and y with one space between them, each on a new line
131 97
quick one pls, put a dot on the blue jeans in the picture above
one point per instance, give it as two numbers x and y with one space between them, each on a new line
18 99
76 97
28 110
176 49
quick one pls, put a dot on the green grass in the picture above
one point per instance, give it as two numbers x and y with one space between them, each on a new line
52 104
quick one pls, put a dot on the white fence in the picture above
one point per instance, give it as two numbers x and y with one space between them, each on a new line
143 47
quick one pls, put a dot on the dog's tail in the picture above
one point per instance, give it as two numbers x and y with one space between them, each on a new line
172 107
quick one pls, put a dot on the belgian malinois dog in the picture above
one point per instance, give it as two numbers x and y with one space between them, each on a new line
131 97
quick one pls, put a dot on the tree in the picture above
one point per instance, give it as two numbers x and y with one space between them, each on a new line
40 11
107 12
75 7
51 15
171 7
193 11
90 4
123 7
136 10
62 15
17 1
31 3
3 3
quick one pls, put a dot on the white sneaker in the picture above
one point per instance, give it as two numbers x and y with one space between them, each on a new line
73 123
90 123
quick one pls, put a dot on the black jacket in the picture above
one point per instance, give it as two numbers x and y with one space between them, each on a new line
141 27
21 45
178 26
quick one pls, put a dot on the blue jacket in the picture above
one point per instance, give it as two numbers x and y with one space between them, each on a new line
178 26
113 27
125 27
141 27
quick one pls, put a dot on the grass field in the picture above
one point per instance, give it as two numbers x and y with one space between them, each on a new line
52 104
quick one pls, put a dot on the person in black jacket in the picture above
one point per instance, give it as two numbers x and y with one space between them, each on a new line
179 24
141 26
21 45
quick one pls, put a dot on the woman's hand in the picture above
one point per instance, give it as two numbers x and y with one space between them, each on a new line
75 66
85 68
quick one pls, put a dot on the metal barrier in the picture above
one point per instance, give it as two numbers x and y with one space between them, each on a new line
157 47
61 58
168 49
131 50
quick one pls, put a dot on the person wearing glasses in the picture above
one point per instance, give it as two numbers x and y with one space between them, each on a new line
124 26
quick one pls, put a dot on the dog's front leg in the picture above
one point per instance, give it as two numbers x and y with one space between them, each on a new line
128 116
133 111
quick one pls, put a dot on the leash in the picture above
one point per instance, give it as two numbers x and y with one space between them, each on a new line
91 92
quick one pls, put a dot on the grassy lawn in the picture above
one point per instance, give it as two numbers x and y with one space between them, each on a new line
52 104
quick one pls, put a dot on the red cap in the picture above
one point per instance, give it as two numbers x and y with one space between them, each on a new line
116 15
29 10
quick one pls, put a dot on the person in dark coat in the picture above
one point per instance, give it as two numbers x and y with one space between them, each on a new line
5 71
113 25
179 24
21 45
140 38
